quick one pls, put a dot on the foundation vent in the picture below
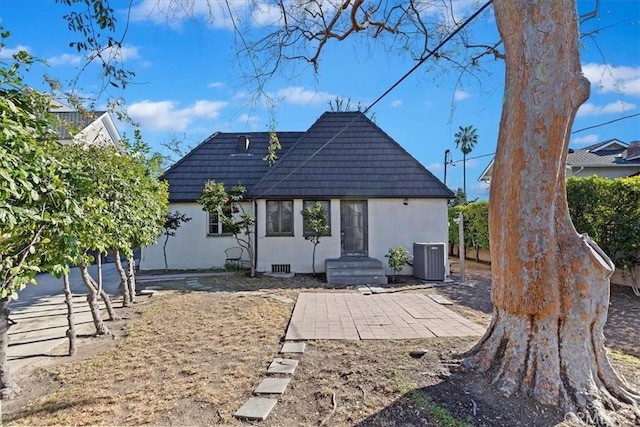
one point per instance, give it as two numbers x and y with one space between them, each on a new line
281 268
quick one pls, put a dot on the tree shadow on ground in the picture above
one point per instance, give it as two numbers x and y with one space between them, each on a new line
469 399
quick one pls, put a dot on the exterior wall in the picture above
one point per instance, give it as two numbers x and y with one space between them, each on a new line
391 223
100 132
295 250
604 172
191 247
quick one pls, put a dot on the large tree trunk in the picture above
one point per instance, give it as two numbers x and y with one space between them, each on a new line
124 283
8 388
71 331
550 284
92 300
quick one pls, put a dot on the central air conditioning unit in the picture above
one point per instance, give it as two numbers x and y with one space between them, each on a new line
429 261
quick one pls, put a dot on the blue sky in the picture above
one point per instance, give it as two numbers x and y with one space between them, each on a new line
189 84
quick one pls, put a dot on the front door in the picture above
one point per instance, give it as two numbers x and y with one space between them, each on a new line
353 227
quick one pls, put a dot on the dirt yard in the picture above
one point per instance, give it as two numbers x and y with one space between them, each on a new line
186 357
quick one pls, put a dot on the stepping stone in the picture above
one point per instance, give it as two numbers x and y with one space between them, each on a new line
272 386
285 300
256 408
364 291
440 299
282 366
377 290
293 347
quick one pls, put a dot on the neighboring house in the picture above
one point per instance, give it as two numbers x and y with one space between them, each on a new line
608 159
376 195
86 128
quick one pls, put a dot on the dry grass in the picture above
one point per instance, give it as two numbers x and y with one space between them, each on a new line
194 353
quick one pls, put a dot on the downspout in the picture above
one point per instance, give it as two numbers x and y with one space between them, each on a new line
255 234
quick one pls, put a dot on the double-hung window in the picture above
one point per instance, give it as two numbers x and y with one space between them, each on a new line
279 217
216 225
326 207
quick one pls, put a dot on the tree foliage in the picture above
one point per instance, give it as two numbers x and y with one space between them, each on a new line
316 221
229 207
172 222
397 258
466 138
608 210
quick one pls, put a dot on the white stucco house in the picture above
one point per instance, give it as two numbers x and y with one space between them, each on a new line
376 195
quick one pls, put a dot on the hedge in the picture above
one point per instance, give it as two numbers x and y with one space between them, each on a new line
608 210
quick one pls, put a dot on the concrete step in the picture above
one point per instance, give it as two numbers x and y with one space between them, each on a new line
358 280
334 272
353 262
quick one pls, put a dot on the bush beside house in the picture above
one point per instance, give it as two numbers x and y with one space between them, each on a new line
608 210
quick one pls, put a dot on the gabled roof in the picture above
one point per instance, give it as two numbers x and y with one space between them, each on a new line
344 154
222 157
607 153
74 120
610 153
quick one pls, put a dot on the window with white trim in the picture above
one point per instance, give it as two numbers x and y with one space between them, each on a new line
216 226
279 217
326 207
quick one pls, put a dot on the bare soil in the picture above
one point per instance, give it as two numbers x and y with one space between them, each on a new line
186 357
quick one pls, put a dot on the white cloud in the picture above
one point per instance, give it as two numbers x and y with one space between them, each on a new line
64 59
617 107
396 103
608 78
174 13
435 167
266 14
460 94
249 120
216 85
8 52
301 96
122 53
165 115
586 140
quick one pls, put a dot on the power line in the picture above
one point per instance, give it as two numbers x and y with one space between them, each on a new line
415 67
575 131
606 123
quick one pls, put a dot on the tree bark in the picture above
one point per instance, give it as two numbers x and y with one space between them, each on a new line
92 300
8 387
124 283
131 278
550 287
71 331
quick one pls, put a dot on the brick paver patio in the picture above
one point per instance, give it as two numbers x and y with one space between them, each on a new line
354 316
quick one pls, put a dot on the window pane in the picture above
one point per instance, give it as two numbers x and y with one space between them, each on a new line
286 217
326 207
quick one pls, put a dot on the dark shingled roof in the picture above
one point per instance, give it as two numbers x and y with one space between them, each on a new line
346 155
608 153
342 155
74 120
220 157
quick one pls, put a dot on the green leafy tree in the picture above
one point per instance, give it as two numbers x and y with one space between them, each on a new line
397 257
460 198
466 138
36 198
316 222
477 218
229 207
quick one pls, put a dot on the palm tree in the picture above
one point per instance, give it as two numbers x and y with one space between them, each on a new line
466 138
